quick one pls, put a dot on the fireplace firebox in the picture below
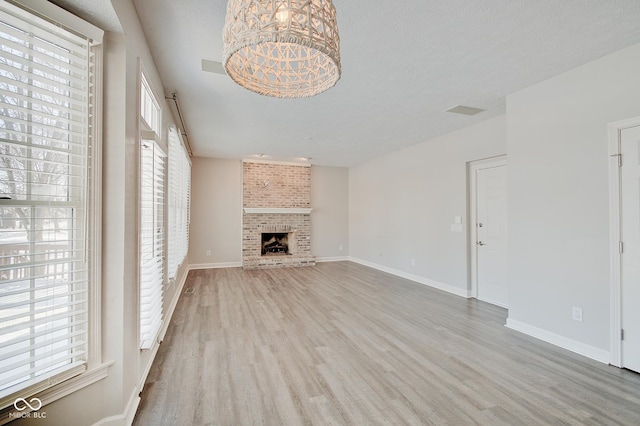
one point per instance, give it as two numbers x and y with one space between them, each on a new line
275 243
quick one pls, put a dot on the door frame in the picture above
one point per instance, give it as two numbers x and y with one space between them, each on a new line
472 169
615 260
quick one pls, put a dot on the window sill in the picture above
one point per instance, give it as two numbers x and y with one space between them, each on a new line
63 389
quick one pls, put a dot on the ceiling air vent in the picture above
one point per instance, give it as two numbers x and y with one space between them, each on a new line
213 66
464 110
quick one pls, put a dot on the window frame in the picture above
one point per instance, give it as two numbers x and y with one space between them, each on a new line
179 168
55 19
150 132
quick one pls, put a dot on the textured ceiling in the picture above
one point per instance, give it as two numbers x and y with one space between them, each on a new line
98 12
404 63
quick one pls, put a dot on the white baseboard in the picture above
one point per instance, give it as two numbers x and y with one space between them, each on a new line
163 329
172 307
561 341
417 278
132 407
125 419
332 259
215 265
222 265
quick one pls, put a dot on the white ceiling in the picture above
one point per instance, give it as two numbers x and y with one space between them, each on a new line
403 64
98 12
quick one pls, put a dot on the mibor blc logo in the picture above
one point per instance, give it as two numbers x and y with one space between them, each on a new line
22 404
33 405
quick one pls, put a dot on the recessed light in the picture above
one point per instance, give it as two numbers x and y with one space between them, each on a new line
464 110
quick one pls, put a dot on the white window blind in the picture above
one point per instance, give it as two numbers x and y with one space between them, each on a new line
179 192
152 171
45 119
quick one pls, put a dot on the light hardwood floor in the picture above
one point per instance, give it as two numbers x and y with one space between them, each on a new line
342 344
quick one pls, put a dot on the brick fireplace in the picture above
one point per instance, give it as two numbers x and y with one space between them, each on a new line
276 216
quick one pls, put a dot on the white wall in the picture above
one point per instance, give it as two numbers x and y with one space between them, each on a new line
330 216
558 196
216 212
401 206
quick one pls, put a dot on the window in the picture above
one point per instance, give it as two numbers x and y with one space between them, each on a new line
179 192
152 245
149 108
48 226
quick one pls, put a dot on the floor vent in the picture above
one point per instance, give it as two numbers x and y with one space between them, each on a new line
190 290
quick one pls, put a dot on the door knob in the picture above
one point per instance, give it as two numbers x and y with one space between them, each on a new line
480 243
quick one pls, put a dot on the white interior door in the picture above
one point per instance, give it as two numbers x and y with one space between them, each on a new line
491 235
630 237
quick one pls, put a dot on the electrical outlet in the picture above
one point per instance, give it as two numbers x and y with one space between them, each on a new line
413 262
576 314
208 252
340 247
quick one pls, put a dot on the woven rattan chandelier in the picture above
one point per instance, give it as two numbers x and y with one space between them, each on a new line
282 48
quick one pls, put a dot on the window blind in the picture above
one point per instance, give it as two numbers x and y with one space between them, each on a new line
45 98
152 176
179 192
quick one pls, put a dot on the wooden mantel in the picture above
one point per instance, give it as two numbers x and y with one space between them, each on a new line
249 210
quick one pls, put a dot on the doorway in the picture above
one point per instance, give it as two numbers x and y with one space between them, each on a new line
624 143
488 229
